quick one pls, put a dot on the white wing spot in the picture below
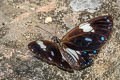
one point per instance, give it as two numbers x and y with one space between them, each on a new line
50 58
63 57
52 53
41 45
93 30
86 27
61 65
32 49
78 52
73 53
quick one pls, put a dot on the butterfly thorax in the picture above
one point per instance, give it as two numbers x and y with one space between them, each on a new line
56 40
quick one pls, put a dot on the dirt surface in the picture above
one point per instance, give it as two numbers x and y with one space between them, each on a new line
21 22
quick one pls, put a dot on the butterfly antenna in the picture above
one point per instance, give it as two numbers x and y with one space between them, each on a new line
56 29
45 30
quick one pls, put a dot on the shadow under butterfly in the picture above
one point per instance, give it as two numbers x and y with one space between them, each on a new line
78 48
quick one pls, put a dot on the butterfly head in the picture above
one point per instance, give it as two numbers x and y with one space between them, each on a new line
55 39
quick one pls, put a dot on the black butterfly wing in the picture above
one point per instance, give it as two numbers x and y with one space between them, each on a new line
97 33
50 53
102 25
86 40
79 59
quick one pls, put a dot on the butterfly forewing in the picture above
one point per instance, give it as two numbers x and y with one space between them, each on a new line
93 35
102 25
78 59
49 52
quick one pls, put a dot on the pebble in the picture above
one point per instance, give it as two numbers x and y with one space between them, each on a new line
48 19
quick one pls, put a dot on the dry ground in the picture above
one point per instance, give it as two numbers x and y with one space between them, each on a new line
19 24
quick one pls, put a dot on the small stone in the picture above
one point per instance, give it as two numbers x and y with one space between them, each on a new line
48 20
32 9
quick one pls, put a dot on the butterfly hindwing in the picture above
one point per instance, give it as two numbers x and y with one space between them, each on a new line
49 52
79 59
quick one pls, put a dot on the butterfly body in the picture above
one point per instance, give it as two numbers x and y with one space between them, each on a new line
78 48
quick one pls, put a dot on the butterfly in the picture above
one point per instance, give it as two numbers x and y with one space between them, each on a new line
78 48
